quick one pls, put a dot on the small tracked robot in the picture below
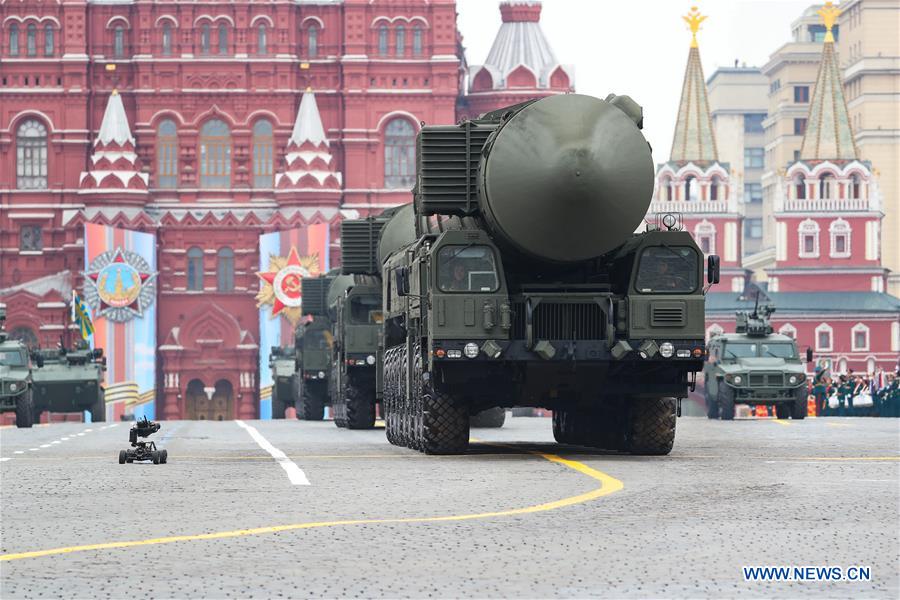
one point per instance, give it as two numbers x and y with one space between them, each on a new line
140 450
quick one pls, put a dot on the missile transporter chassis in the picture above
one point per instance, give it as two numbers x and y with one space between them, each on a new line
524 285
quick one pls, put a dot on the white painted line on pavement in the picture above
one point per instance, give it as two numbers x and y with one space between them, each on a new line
45 445
5 459
19 452
295 474
33 449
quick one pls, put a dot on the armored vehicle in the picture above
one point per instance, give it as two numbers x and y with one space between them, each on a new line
312 351
16 388
524 283
283 364
755 366
69 380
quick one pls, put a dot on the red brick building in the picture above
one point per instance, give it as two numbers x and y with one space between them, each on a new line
210 123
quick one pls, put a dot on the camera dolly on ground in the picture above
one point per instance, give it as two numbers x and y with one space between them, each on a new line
140 450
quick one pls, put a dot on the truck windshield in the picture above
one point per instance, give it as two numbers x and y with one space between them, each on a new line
365 310
467 269
667 269
740 350
12 358
778 350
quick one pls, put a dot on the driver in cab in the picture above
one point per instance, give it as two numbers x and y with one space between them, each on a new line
457 281
666 279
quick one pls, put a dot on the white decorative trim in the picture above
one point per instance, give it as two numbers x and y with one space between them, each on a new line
312 18
788 330
808 228
213 19
265 18
860 328
115 18
170 18
824 327
839 227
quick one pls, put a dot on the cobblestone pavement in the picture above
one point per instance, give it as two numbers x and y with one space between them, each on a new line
230 517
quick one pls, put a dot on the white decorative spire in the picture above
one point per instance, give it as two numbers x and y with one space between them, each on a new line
114 127
308 159
114 163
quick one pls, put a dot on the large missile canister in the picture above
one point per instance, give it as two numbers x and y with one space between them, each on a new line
397 233
566 178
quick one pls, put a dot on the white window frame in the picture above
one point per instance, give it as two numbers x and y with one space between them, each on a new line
825 327
860 327
839 227
808 227
788 330
706 229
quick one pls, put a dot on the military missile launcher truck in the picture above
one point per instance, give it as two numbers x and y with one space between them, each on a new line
754 365
69 380
312 347
525 284
16 388
283 365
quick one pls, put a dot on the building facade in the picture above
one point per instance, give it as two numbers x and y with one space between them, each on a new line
209 125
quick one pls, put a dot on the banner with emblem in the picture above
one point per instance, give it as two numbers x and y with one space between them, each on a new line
285 258
120 288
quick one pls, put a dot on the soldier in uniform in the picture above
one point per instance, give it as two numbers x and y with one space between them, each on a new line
820 387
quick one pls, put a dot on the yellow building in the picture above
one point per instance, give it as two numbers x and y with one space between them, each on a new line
869 54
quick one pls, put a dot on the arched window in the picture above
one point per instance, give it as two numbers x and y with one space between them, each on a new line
825 185
823 337
399 154
167 38
839 231
860 337
788 330
854 186
48 40
205 38
119 41
667 186
705 235
800 187
14 40
223 38
808 234
262 154
215 155
383 40
312 41
417 41
261 42
31 40
691 188
225 270
31 155
714 189
400 38
195 269
167 155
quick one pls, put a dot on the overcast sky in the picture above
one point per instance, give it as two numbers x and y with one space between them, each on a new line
640 47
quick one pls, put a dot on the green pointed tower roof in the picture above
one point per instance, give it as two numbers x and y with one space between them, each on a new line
694 138
828 131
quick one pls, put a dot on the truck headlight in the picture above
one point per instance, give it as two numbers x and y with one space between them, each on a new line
370 360
13 387
793 380
666 349
738 379
471 350
321 374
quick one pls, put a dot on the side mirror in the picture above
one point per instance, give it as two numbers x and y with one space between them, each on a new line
809 356
98 353
712 269
402 275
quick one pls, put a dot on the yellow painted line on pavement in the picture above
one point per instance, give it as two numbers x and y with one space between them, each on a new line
838 425
608 485
782 422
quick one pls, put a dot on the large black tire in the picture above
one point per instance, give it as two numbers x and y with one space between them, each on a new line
783 410
390 399
25 410
360 406
564 426
712 405
725 400
163 456
798 406
154 456
278 403
123 455
652 426
445 424
98 408
310 405
489 418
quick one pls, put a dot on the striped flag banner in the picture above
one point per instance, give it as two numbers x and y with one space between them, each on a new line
81 316
302 251
120 290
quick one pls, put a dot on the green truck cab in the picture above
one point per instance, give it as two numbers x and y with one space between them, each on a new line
16 386
312 347
70 380
755 366
283 364
354 306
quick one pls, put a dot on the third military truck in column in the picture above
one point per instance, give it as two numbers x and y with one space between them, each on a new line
525 284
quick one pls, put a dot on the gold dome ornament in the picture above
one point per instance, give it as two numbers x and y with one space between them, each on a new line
694 19
829 14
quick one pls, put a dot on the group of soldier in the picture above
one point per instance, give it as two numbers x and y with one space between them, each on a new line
851 394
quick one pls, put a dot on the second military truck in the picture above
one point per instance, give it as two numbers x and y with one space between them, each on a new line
524 285
755 366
